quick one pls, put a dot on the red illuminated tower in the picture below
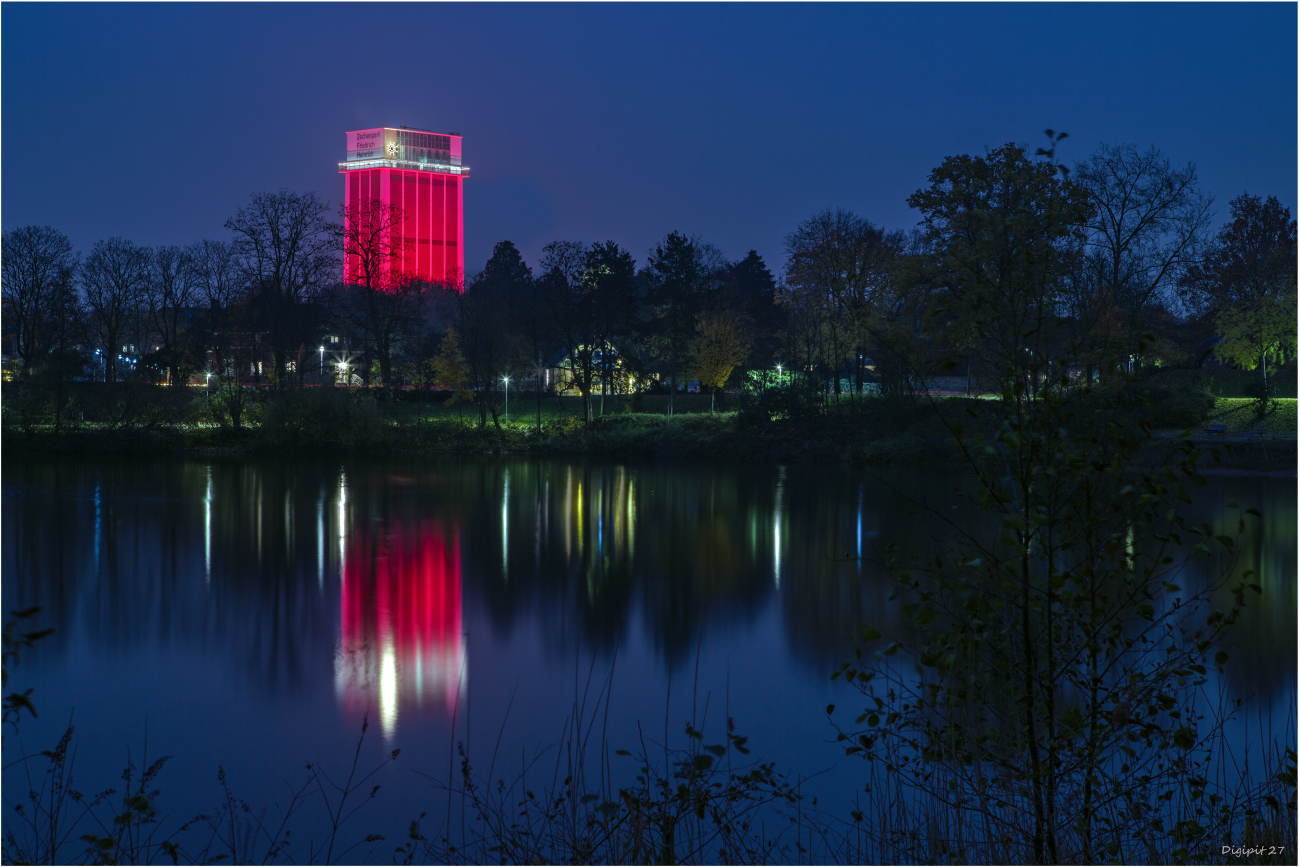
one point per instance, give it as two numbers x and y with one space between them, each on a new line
421 173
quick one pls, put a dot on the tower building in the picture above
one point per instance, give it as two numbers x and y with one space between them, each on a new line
420 172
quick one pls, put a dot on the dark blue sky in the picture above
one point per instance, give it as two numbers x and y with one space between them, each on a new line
589 122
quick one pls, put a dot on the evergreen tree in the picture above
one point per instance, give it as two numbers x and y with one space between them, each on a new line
747 288
491 345
679 274
609 288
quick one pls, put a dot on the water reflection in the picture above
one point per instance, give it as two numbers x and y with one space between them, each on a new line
207 530
778 512
356 582
401 644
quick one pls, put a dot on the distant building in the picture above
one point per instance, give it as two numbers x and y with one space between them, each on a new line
420 172
615 371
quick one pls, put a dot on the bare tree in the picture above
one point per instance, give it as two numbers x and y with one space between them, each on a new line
387 320
378 301
38 270
837 268
287 245
114 278
229 333
1148 223
372 243
216 275
170 296
217 272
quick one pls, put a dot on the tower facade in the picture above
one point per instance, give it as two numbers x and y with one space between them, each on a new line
421 173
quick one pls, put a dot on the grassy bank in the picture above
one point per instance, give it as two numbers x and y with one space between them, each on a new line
1238 415
865 431
337 421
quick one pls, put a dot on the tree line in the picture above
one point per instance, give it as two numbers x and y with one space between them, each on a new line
1095 269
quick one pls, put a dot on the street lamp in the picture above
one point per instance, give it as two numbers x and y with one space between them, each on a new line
322 361
789 395
506 380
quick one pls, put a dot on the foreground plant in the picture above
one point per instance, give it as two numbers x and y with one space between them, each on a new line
696 809
1051 697
53 822
1058 694
698 803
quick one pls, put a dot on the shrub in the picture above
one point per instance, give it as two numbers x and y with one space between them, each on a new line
791 402
1180 408
25 406
323 418
127 406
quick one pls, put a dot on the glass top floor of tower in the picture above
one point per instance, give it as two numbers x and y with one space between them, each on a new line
404 148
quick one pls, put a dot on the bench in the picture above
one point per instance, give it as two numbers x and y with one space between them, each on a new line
1215 430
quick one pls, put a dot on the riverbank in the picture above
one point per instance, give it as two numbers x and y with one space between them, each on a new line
776 426
904 436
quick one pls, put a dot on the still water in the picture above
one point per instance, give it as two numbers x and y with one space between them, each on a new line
250 614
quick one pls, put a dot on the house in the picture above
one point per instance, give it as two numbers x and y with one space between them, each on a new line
614 370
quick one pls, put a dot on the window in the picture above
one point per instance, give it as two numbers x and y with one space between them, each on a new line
424 147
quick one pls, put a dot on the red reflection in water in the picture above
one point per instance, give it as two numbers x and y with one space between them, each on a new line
401 643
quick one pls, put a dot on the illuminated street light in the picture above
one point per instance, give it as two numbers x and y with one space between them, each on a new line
322 360
506 380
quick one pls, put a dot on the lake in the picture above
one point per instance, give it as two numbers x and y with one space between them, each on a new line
251 613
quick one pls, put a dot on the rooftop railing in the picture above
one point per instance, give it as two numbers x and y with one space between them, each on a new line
442 168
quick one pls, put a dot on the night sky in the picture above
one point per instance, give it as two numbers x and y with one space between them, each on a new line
588 122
